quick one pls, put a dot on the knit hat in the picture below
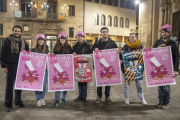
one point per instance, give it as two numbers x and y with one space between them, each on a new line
80 33
63 35
40 36
166 27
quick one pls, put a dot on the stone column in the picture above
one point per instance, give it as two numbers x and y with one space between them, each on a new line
122 41
166 13
85 37
163 14
98 36
119 3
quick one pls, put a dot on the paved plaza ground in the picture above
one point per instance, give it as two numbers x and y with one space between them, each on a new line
118 110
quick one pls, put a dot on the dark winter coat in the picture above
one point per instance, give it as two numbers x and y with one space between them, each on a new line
61 51
174 49
101 44
83 48
6 55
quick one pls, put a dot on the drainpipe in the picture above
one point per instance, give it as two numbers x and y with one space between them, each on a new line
83 13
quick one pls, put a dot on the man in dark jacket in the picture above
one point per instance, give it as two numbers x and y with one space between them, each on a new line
167 40
81 47
10 51
102 44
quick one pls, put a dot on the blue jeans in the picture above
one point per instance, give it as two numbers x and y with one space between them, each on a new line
107 90
41 94
58 94
82 89
164 94
138 86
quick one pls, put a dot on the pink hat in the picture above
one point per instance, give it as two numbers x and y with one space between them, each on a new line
80 33
40 36
166 27
63 35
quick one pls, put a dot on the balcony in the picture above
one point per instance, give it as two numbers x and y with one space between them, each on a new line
34 16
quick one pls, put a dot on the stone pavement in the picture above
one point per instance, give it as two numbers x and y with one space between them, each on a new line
102 111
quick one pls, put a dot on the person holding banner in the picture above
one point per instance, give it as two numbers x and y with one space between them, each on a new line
132 44
81 47
167 40
101 44
10 52
42 48
61 47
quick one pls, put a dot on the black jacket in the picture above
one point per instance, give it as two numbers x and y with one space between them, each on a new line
84 48
47 50
101 44
6 55
174 49
61 51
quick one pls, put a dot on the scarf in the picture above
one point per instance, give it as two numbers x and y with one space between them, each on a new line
170 38
14 44
134 45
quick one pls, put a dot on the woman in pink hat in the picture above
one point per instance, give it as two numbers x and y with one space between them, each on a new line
61 47
42 48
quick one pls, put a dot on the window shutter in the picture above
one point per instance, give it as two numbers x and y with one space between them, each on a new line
4 5
33 11
73 10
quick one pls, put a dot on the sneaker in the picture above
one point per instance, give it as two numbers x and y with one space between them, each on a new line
98 100
64 101
165 106
43 102
143 101
127 101
55 105
159 105
8 109
77 99
38 102
84 102
108 100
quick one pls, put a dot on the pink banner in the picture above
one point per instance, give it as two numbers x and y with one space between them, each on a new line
107 67
30 72
158 66
60 72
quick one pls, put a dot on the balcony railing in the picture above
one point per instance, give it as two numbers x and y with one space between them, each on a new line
26 13
30 15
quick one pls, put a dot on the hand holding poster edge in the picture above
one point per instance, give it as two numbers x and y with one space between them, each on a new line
174 82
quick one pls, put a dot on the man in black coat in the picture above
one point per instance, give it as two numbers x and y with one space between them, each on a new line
81 47
10 52
167 40
102 44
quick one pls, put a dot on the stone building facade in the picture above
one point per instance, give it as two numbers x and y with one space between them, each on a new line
155 13
77 13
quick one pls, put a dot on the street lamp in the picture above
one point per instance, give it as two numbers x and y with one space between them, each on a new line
137 1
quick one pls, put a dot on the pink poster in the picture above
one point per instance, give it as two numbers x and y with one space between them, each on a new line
30 72
60 72
107 67
158 66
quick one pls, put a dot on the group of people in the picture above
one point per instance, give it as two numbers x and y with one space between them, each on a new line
14 44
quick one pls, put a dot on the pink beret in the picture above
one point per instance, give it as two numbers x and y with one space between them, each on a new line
63 35
40 36
80 33
167 27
